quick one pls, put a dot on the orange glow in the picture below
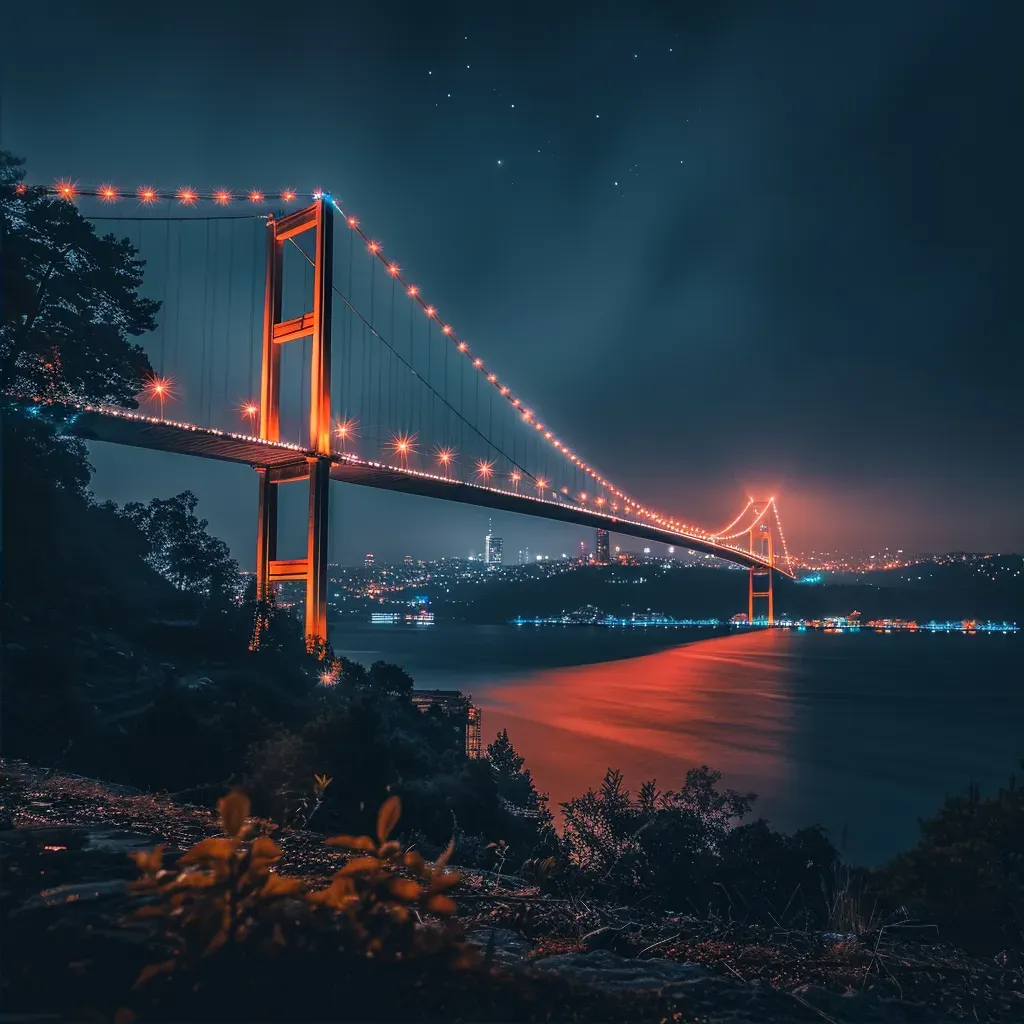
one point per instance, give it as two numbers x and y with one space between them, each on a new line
374 247
430 311
21 188
107 193
66 190
484 470
515 477
478 363
541 483
222 197
445 456
393 269
188 196
413 291
250 409
255 196
288 196
403 445
492 377
346 430
147 194
446 329
547 435
583 495
353 222
463 346
504 390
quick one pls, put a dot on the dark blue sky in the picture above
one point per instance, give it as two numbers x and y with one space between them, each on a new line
728 246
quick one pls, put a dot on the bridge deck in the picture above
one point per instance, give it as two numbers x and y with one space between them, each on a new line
116 426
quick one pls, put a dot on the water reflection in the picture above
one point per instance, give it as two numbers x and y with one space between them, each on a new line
723 702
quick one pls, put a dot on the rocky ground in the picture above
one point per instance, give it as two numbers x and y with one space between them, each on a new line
64 843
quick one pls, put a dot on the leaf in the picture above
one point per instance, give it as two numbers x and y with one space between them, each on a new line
405 889
264 846
277 885
149 861
414 861
387 817
353 843
441 882
443 905
443 859
354 867
152 970
216 942
214 849
389 850
233 810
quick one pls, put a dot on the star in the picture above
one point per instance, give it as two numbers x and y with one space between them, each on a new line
499 163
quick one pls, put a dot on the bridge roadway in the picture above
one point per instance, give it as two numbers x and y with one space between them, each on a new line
117 426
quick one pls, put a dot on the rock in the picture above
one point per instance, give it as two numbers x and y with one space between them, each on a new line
607 970
510 949
603 938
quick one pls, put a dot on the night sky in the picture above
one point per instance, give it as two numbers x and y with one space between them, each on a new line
768 247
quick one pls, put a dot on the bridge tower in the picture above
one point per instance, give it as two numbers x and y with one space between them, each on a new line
316 466
761 544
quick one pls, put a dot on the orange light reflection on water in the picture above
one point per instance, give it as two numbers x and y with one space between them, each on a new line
723 702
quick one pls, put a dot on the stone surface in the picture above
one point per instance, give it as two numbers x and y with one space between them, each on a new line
509 948
607 969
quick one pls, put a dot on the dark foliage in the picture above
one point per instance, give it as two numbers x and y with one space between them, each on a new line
966 873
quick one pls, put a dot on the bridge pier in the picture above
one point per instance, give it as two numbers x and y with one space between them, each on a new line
761 578
316 466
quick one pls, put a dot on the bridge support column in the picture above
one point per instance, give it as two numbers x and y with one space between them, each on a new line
316 324
761 578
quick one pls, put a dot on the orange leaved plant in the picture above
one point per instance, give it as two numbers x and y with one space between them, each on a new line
222 890
382 890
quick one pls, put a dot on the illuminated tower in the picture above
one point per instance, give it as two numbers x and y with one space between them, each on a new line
492 547
761 544
315 464
603 549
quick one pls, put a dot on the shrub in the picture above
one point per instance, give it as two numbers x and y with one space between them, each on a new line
966 873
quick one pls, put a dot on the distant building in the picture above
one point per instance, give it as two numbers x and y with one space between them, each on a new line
603 549
408 559
524 556
368 560
454 703
492 547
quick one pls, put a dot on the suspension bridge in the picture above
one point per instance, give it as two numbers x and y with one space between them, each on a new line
342 370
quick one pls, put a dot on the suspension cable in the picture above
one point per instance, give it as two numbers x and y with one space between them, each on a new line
406 362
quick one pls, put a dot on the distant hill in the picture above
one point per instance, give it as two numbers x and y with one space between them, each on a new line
941 592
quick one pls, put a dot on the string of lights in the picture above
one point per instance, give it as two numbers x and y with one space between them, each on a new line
526 414
743 512
739 533
187 196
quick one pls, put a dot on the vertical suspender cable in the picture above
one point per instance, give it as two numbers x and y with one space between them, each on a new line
213 327
206 295
177 295
166 311
348 399
227 331
252 308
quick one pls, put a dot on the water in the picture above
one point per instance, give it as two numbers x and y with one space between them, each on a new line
861 733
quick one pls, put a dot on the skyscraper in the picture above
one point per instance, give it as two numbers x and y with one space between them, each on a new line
492 547
602 548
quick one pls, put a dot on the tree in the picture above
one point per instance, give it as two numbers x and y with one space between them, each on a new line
390 679
514 780
70 301
182 551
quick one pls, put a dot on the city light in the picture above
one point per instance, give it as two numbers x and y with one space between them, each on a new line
484 469
445 456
